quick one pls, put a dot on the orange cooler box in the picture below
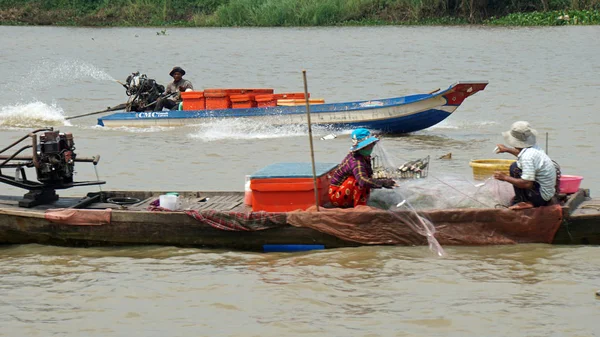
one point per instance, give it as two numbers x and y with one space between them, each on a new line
193 100
286 187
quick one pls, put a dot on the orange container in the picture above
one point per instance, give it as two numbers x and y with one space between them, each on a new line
255 91
221 98
285 187
193 100
271 100
242 101
294 102
263 101
217 99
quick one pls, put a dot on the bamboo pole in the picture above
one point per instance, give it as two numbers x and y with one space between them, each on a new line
310 138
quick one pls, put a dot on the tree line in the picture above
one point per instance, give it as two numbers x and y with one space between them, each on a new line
270 13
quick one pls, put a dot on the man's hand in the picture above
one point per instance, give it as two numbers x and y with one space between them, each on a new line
502 148
181 88
500 176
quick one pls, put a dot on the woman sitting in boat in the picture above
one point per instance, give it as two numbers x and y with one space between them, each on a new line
353 180
534 175
172 97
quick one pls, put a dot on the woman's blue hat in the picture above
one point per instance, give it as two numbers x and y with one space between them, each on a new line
362 138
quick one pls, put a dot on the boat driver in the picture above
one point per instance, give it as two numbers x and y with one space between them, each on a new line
534 175
172 96
352 180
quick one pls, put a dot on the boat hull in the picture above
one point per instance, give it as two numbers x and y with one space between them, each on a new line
392 115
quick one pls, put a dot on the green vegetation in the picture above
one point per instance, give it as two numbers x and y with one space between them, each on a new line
269 13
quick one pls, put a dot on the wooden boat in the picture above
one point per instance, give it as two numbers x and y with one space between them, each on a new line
391 115
284 215
222 220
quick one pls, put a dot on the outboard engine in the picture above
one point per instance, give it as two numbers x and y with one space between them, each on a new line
143 92
56 158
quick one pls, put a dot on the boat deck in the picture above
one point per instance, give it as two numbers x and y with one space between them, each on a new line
199 201
587 208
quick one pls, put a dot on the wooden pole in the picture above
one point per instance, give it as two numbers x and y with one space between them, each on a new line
546 142
310 138
118 107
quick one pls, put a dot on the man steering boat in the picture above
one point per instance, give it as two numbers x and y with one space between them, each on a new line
172 96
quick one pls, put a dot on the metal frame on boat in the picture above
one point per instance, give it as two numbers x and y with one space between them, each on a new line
391 115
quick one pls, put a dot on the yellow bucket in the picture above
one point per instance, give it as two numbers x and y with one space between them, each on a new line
485 168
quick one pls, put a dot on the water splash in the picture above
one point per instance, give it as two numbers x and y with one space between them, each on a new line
244 129
35 114
462 125
48 73
131 129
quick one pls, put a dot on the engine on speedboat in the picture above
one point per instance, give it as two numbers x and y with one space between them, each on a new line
142 91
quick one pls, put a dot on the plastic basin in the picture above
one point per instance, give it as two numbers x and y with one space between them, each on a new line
485 168
569 184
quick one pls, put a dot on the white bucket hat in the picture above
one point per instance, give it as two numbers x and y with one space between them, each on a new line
521 135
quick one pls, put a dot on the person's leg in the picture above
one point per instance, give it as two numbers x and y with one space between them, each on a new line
169 104
343 195
361 194
525 198
520 194
164 103
159 104
535 196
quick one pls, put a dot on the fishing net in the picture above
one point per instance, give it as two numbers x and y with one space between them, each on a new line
423 190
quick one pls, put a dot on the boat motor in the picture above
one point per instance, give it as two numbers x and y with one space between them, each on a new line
53 158
142 91
56 158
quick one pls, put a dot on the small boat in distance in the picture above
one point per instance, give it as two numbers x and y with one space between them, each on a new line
390 115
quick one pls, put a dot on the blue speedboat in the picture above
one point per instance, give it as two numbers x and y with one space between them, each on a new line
390 115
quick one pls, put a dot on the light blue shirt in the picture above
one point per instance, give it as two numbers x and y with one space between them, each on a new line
537 166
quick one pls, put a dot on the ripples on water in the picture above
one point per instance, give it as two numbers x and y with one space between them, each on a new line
545 75
394 291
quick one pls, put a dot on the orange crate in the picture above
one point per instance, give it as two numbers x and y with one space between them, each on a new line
217 99
193 100
242 101
295 102
263 101
255 91
271 100
284 187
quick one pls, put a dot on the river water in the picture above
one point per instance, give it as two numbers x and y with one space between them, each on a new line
547 76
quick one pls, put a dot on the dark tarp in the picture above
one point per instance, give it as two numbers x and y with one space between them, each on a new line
367 225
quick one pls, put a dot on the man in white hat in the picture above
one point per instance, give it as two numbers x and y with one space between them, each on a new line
533 175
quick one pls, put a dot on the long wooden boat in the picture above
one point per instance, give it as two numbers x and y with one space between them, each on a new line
391 115
222 220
